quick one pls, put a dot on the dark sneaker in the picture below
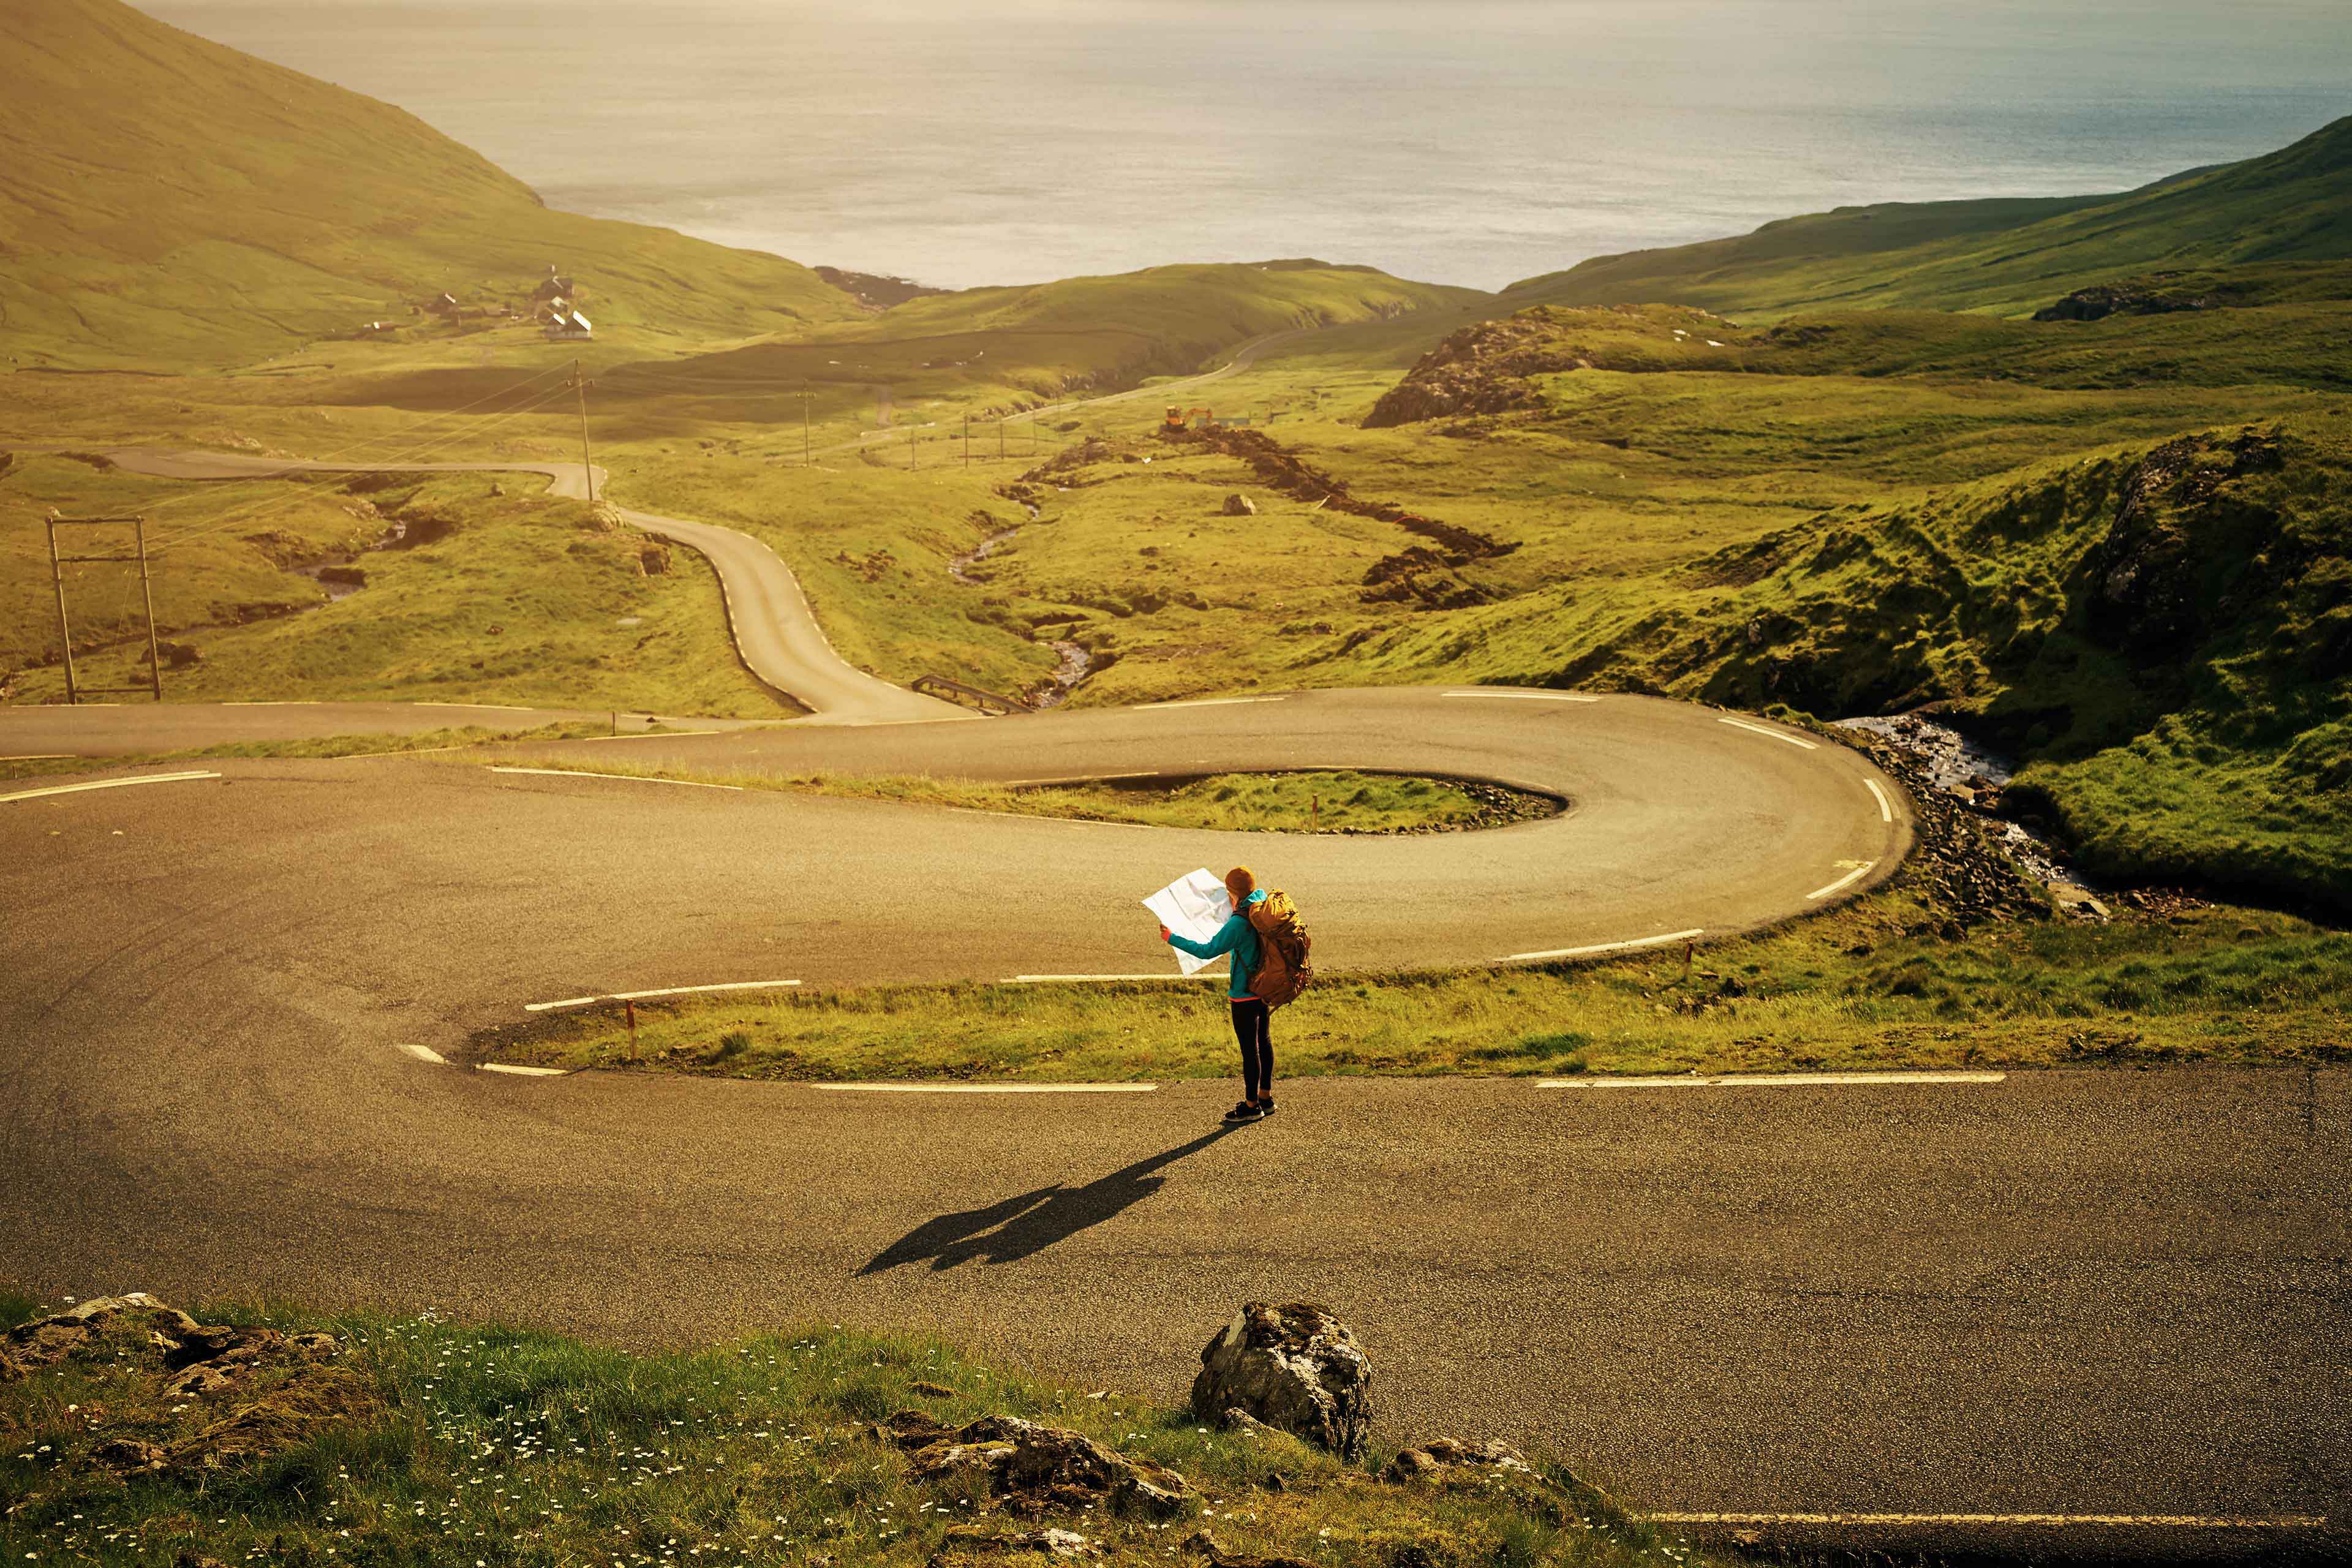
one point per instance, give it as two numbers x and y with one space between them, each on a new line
1244 1112
1265 1108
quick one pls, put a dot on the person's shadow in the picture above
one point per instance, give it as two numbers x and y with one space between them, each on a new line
1017 1227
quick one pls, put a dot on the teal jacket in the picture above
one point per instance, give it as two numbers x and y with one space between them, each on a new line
1234 937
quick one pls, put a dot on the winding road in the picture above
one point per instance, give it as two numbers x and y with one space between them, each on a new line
2101 1308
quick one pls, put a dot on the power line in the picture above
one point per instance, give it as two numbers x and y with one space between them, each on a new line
409 435
395 460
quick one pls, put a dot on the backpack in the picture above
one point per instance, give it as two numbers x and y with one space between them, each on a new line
1283 947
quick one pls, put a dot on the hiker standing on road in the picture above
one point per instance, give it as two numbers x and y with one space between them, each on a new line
1253 1020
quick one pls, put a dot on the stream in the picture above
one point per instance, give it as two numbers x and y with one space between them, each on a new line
1055 689
1978 776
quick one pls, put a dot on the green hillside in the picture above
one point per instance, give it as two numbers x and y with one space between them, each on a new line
169 203
2010 257
1047 341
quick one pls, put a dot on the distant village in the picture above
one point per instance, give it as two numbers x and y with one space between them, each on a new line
554 306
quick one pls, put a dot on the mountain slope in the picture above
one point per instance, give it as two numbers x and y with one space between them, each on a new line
2009 258
168 202
1079 334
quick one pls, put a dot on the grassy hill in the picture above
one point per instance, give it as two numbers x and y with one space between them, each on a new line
2009 258
169 202
1020 346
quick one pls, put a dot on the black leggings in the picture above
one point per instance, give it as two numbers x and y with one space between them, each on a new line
1253 1027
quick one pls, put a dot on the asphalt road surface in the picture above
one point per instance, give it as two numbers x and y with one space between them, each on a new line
2060 1294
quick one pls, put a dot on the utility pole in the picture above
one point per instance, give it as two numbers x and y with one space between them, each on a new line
58 563
580 383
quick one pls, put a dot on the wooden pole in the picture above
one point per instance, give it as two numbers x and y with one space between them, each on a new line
912 461
147 594
65 632
967 440
807 460
587 468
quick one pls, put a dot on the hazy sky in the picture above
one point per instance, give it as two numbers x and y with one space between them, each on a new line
1468 140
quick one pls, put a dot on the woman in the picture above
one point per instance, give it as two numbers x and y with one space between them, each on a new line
1251 1019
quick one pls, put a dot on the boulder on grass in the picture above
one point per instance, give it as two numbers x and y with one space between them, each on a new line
1435 1460
1294 1367
1240 505
1033 1469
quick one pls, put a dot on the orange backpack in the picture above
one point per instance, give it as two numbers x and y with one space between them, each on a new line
1283 968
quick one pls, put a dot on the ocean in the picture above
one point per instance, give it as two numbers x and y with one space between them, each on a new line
1476 141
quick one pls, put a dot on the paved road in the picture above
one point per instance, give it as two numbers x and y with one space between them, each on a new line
2062 1294
776 635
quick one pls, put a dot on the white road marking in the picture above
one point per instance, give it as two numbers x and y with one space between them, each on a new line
426 1054
1080 979
1773 1080
624 778
1885 806
410 752
1672 936
480 706
1760 729
989 1087
664 991
1848 880
2060 1520
105 784
516 1071
43 757
287 702
1527 696
652 735
1206 702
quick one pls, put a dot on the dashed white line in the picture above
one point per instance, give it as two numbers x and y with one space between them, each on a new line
1848 880
426 1054
1885 806
652 735
1773 1080
514 1070
480 706
664 991
1775 734
989 1087
1081 979
2046 1521
105 784
292 703
1637 942
1204 703
624 778
1527 696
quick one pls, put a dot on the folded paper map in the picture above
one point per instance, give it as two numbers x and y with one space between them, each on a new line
1192 907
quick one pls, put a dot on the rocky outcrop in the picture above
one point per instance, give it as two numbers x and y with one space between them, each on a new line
1240 505
1033 1469
2144 299
1443 1456
964 1541
1294 1367
1482 369
256 1391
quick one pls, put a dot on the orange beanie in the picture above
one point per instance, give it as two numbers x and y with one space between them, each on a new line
1240 883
